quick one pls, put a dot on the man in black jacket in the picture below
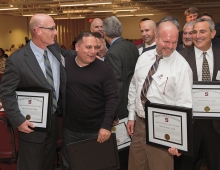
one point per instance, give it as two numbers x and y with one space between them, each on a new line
121 57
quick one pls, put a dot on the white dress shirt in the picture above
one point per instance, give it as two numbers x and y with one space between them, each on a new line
55 64
175 90
199 61
146 46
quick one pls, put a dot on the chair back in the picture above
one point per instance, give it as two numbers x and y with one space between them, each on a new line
7 143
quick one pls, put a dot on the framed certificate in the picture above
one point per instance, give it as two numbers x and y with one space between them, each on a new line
122 137
91 155
169 126
35 105
206 100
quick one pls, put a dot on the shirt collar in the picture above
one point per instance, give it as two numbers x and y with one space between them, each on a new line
166 59
114 40
199 53
147 46
36 49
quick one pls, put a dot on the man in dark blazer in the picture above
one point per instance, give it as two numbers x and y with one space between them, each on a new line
206 132
25 69
122 57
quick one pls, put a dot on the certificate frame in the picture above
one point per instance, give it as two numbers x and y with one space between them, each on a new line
175 130
32 100
211 96
90 154
123 139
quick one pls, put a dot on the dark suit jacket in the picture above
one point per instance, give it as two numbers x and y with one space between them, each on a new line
23 71
190 58
122 57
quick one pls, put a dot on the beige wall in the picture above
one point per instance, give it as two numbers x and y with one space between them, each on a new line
12 31
130 27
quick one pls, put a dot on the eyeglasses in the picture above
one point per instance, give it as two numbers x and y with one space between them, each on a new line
52 28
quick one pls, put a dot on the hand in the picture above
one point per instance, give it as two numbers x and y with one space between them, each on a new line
130 127
115 122
174 151
103 135
24 127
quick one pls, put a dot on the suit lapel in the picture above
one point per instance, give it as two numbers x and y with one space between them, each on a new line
191 58
34 66
54 52
216 66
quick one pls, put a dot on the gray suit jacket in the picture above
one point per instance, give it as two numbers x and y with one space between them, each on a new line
23 71
190 58
122 57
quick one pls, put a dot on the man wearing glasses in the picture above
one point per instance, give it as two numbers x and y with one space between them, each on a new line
38 65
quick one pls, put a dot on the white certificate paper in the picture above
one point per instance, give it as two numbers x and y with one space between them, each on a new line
206 99
34 107
122 137
168 128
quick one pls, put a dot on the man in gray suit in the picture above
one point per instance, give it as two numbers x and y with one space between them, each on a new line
26 69
122 57
206 132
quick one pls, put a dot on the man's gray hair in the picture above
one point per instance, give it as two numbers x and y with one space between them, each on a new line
191 23
112 27
171 19
211 23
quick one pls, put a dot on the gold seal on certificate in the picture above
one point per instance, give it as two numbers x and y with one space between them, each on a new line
207 108
28 117
167 137
113 129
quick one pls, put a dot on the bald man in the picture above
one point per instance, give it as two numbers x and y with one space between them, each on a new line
26 69
96 26
148 28
168 91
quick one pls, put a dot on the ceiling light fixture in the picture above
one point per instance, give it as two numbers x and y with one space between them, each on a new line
77 17
139 15
76 11
98 3
5 9
30 15
123 10
87 3
103 10
124 15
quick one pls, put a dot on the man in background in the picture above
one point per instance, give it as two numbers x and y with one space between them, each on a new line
145 87
148 29
187 36
121 56
38 65
204 60
191 14
91 103
216 39
96 26
101 46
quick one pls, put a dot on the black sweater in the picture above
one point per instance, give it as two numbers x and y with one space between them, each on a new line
91 101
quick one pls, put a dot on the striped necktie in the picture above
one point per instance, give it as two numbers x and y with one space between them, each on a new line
148 80
205 69
49 76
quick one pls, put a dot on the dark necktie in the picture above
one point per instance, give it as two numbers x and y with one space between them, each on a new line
148 80
49 76
205 69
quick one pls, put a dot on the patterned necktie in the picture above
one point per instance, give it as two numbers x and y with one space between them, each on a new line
148 80
49 76
205 69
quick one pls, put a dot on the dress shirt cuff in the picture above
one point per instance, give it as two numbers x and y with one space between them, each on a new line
131 116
